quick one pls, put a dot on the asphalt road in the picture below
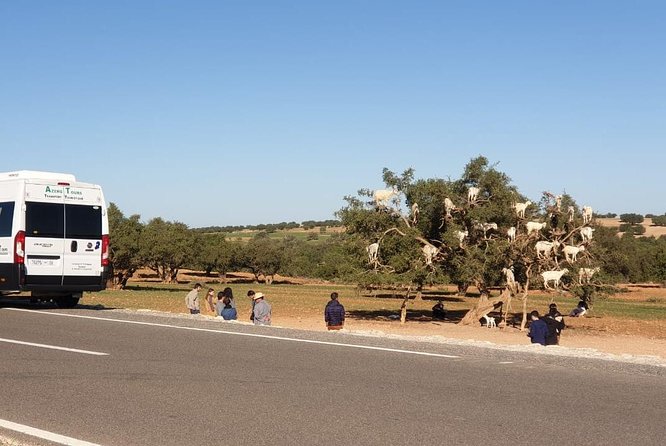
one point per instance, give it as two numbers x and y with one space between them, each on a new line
159 380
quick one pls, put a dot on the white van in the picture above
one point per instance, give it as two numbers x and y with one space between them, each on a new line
54 236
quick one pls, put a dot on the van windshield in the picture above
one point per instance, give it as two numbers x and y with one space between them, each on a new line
6 218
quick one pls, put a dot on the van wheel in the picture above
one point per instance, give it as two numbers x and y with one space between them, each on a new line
67 301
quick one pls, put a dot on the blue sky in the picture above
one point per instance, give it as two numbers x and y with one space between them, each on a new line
247 112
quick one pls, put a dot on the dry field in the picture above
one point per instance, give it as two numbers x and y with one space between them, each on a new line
650 231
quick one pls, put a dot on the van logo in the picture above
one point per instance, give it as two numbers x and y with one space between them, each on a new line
97 245
89 245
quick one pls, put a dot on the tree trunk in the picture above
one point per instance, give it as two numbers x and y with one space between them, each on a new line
483 307
268 279
403 307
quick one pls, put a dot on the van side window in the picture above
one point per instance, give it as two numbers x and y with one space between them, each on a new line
83 221
44 220
6 218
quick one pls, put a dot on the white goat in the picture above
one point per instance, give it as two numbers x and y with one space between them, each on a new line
485 227
587 214
430 252
571 211
473 194
489 321
510 278
553 276
415 213
534 226
373 253
461 235
586 274
520 208
586 233
381 197
448 206
511 234
570 252
543 249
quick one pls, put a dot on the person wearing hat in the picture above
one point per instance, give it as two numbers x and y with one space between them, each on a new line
334 313
262 310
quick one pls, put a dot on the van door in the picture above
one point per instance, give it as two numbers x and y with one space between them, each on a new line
44 242
83 244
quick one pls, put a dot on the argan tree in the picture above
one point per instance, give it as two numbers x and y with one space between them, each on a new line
458 236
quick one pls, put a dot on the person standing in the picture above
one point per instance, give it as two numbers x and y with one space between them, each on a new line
334 313
192 299
209 299
538 329
261 310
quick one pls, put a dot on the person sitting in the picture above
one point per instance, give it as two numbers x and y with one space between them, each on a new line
580 310
334 313
228 312
438 311
538 329
555 323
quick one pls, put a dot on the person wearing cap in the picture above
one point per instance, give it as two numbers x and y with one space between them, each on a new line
192 299
334 313
261 310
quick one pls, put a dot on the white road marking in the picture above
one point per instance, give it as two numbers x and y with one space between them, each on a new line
506 362
53 347
233 333
45 435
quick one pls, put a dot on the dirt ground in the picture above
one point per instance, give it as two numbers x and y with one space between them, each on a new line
617 344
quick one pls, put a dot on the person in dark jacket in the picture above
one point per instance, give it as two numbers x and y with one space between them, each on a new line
538 329
334 313
555 323
438 311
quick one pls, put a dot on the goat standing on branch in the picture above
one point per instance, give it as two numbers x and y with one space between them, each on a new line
553 276
381 197
473 194
587 214
520 208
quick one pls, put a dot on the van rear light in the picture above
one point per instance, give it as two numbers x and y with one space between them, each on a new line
105 250
19 248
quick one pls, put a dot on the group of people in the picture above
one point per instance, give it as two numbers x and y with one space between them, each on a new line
261 311
546 330
225 307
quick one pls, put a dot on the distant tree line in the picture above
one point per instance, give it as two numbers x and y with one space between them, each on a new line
271 227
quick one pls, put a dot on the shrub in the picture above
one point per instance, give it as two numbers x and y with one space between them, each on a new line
632 229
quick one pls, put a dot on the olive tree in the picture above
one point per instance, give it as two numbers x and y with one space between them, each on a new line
124 250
